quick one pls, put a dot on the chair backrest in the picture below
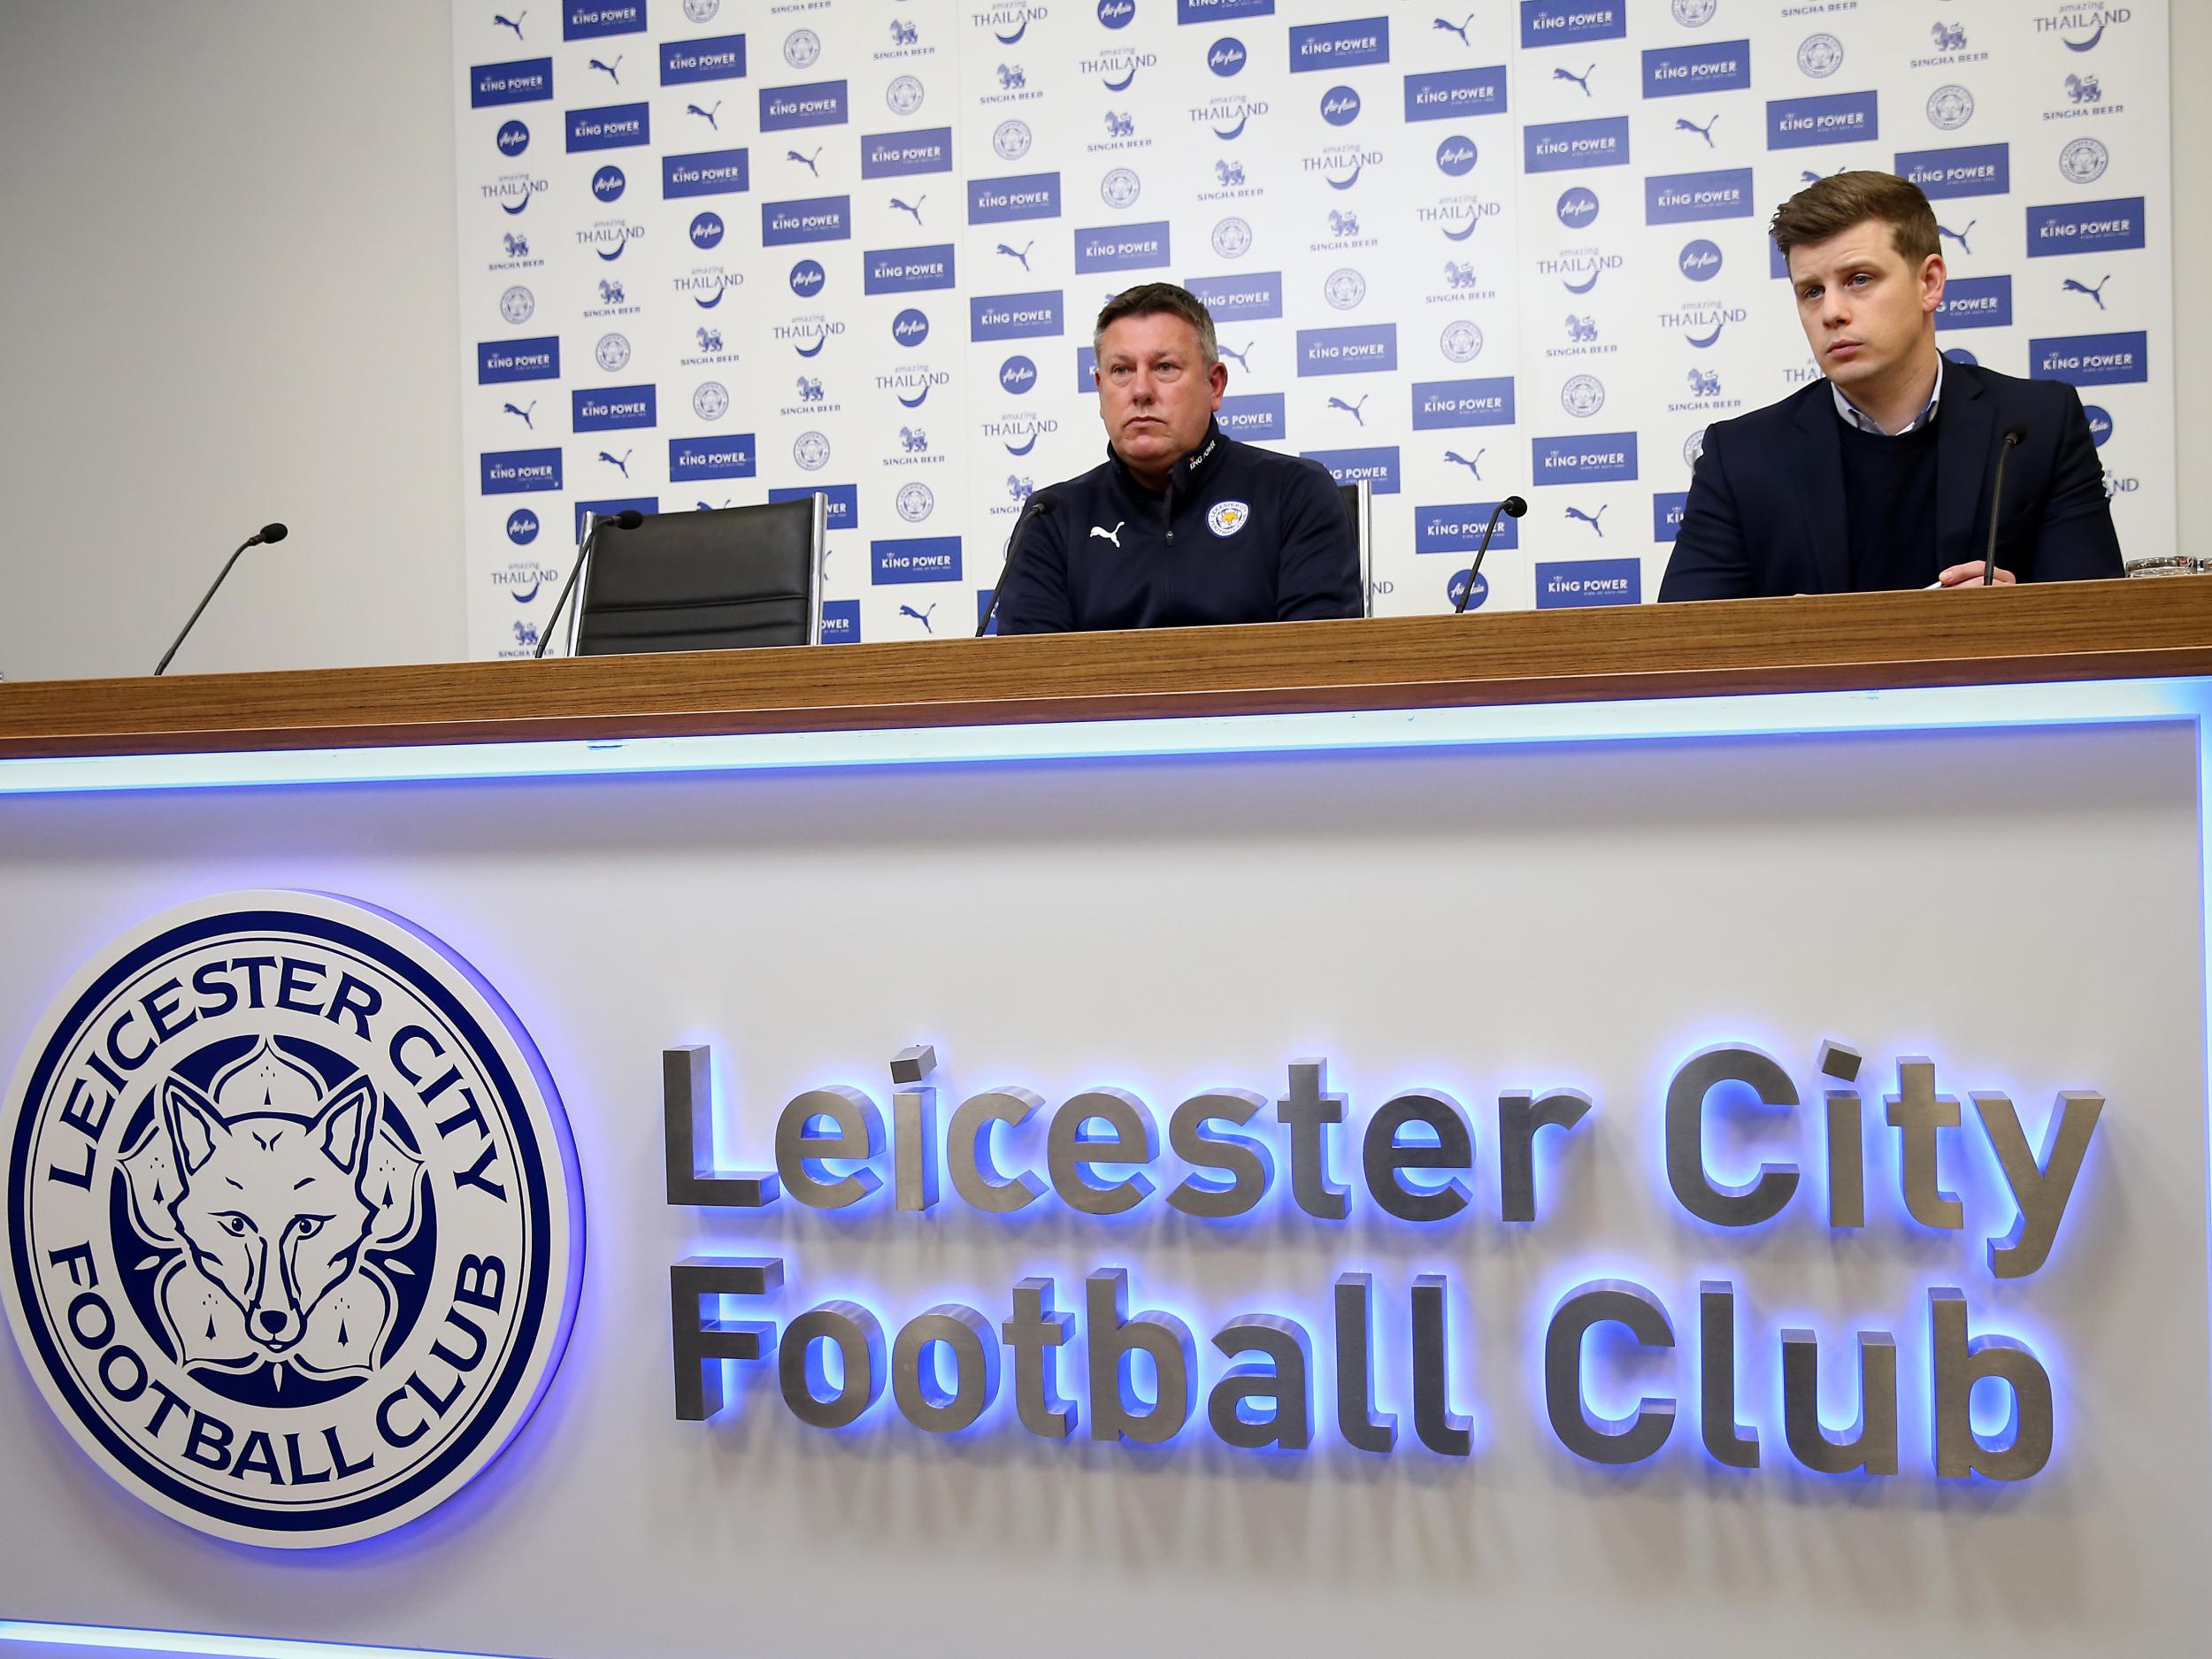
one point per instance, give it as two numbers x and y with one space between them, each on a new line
1359 502
708 580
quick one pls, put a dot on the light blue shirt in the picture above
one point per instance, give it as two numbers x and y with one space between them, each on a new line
1853 416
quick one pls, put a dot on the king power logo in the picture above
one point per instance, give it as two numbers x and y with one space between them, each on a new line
294 1227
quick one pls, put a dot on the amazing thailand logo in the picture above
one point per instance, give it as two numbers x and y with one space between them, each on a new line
294 1228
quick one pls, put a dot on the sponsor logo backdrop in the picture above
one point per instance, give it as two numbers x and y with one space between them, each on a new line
715 253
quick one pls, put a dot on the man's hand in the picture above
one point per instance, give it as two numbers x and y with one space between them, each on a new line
1970 576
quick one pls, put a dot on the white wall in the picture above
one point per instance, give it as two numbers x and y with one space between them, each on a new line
2193 250
188 356
230 299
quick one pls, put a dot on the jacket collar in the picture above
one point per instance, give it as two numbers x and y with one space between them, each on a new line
1965 438
1189 474
1819 478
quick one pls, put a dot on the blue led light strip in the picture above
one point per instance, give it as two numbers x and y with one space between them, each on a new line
1917 708
104 1638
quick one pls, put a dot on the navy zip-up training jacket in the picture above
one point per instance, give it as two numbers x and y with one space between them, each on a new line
1240 535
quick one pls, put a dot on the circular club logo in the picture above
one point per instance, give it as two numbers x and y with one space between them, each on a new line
702 11
706 230
609 183
1120 188
1820 55
2084 161
1339 106
801 47
1461 341
1345 288
522 525
711 400
315 1246
514 138
1700 260
1017 375
612 352
1694 14
914 502
811 450
1226 56
1010 142
1950 108
1582 397
1456 156
1224 519
1694 447
1232 238
1577 207
903 94
518 305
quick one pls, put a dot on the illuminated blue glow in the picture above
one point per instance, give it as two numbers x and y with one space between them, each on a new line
2204 898
1911 709
1620 1376
106 1638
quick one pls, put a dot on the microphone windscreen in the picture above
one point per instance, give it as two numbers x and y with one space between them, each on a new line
2016 433
274 532
1514 506
628 519
1043 504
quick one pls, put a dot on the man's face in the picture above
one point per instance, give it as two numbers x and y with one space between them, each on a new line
1863 306
1154 393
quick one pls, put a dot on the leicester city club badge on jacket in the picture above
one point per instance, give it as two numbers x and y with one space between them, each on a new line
1228 517
294 1228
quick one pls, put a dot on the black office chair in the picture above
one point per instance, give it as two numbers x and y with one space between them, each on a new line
1359 503
709 581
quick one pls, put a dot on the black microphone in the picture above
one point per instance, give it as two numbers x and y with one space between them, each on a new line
628 519
2014 436
1513 507
1040 505
267 532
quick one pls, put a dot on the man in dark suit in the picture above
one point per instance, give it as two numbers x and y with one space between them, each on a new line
1879 476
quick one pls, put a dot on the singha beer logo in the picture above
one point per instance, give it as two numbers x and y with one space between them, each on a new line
294 1229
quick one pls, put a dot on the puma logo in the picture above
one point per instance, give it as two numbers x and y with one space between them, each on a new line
1113 535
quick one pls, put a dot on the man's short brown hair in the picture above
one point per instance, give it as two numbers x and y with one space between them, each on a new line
1157 299
1831 205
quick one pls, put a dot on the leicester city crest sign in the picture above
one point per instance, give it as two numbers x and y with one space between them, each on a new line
294 1228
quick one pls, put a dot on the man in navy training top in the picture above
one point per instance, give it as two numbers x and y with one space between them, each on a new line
1179 525
1879 476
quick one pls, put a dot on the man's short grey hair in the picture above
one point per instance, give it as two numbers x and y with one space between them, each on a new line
1158 299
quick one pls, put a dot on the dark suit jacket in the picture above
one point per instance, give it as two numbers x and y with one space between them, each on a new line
1766 513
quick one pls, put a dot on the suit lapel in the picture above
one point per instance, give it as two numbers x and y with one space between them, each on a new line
1818 482
1966 420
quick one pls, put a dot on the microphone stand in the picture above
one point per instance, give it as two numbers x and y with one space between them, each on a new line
1036 507
249 542
1996 501
1513 504
592 521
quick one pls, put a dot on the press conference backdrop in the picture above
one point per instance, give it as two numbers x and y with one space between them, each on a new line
714 253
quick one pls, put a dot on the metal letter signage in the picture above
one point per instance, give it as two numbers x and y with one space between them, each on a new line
294 1229
1269 1400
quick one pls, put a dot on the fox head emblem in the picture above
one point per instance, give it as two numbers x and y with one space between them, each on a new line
270 1203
